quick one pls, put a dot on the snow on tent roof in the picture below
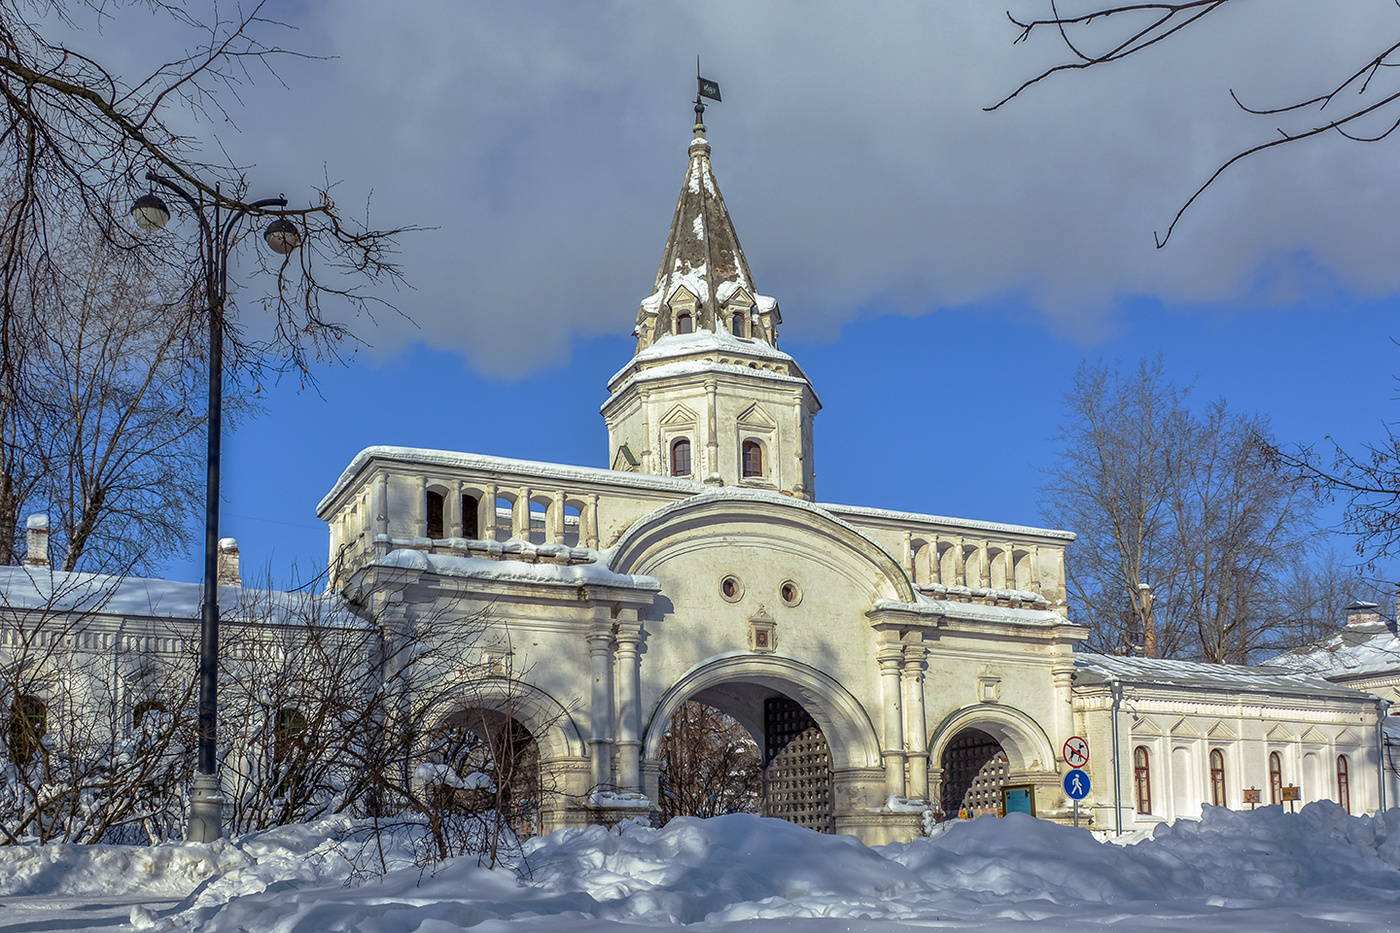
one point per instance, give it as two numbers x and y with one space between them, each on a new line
1102 668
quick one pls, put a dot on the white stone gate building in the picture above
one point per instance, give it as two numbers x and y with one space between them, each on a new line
917 662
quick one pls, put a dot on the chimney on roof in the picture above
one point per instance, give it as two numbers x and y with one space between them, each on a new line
37 541
228 562
1361 613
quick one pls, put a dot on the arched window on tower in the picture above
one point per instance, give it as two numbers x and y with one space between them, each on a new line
736 324
685 323
1275 778
753 458
1217 777
1142 780
680 456
433 508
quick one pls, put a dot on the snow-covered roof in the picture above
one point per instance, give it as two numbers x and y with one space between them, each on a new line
1356 651
1102 668
37 589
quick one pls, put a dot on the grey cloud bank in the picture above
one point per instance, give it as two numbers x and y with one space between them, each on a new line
543 144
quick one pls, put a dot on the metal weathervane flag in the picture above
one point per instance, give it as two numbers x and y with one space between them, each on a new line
709 89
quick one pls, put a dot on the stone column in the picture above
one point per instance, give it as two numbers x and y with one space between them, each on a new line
629 711
520 515
421 512
454 511
381 514
959 563
557 533
891 658
600 742
984 566
915 726
588 532
488 527
712 429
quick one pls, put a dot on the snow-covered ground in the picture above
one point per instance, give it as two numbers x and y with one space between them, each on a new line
1270 871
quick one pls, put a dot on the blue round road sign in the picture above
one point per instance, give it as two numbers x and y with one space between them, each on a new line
1076 784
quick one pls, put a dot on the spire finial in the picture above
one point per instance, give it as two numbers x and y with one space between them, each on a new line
704 88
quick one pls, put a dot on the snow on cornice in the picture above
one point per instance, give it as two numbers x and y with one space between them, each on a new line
484 463
515 571
898 517
977 612
677 347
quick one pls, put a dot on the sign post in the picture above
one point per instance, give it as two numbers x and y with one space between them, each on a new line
1291 793
1252 796
1077 787
1076 753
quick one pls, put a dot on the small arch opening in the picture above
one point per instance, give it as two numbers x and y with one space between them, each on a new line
471 508
433 509
685 324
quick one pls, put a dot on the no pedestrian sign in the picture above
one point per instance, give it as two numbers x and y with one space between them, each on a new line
1076 752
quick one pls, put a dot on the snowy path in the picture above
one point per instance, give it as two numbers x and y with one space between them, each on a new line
1314 872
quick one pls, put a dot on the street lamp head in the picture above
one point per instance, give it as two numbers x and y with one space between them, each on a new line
150 213
282 236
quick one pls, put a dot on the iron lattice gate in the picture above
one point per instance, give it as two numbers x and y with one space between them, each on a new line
796 766
974 772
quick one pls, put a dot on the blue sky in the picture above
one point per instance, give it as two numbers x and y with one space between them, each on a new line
942 271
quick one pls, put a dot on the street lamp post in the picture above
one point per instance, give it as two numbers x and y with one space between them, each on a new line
150 213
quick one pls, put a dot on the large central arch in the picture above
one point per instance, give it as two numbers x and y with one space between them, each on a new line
854 742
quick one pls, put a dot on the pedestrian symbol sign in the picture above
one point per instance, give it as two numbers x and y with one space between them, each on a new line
1076 784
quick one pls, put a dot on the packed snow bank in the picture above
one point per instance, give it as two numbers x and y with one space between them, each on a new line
1318 869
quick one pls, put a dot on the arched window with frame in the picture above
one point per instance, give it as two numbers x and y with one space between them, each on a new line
680 456
736 324
1217 777
1142 779
753 458
1343 783
1275 778
433 509
685 324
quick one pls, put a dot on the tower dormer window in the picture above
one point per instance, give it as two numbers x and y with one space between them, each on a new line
753 458
685 324
680 457
737 325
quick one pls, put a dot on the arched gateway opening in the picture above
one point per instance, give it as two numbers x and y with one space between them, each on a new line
975 768
808 728
711 764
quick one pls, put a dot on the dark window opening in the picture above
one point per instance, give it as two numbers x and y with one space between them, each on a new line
1275 778
737 325
684 324
29 721
434 509
471 505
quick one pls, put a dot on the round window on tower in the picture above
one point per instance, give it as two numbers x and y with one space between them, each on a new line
731 588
